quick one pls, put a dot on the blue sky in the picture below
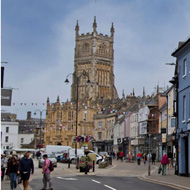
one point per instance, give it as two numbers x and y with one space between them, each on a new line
38 41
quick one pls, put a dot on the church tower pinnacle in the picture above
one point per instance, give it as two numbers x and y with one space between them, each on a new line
77 29
94 25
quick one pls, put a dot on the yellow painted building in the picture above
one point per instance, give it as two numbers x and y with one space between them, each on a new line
61 123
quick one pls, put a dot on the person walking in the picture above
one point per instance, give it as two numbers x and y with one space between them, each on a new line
46 173
121 156
164 163
153 158
38 154
144 158
12 169
26 166
3 166
139 158
118 155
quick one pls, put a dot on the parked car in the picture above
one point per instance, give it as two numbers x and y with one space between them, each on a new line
102 153
98 157
50 157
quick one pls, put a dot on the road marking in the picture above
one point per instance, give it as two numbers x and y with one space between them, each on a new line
95 181
69 179
110 187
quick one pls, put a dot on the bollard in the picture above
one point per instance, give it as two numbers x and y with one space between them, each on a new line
93 166
69 163
110 160
86 168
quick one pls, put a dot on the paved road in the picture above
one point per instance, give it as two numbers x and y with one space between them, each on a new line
98 183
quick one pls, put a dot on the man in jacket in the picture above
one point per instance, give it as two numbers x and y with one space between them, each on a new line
26 166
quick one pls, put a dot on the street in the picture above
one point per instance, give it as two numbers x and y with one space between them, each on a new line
120 176
97 182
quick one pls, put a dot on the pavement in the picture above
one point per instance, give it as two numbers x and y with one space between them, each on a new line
118 168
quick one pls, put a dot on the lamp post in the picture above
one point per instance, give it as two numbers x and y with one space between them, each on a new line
84 73
149 155
85 113
40 123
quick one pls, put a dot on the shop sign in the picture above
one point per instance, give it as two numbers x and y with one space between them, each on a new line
6 96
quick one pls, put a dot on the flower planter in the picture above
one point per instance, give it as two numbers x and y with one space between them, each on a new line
83 169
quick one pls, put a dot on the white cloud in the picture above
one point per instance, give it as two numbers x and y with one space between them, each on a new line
144 41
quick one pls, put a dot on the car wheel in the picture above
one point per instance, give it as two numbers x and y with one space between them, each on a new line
73 161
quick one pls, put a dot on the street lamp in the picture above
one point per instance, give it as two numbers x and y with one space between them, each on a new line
149 155
84 73
35 113
170 64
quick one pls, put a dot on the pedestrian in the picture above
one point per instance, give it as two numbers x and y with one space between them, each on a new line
164 163
3 165
46 173
113 155
153 158
38 154
26 166
12 169
139 158
149 157
121 156
118 155
144 158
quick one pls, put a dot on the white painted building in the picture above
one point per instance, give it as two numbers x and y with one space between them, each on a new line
11 138
9 132
134 128
25 139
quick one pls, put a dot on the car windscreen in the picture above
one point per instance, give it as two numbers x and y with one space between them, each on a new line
51 156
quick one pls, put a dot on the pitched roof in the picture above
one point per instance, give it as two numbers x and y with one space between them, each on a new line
181 46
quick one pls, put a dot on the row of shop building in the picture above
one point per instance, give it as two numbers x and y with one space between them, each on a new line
159 124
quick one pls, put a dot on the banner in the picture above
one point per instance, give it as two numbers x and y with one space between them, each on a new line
143 128
2 76
6 96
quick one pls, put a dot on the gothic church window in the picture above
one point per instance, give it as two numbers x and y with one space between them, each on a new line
85 49
102 49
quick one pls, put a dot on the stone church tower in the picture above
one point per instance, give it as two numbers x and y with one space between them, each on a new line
94 54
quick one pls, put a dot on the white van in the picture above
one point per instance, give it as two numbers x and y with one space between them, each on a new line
71 154
56 148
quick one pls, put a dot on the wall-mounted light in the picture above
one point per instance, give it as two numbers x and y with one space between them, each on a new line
182 134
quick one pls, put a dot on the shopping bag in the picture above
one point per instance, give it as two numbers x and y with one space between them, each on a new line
159 169
19 180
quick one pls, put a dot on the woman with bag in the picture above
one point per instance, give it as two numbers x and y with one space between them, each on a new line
12 169
164 163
